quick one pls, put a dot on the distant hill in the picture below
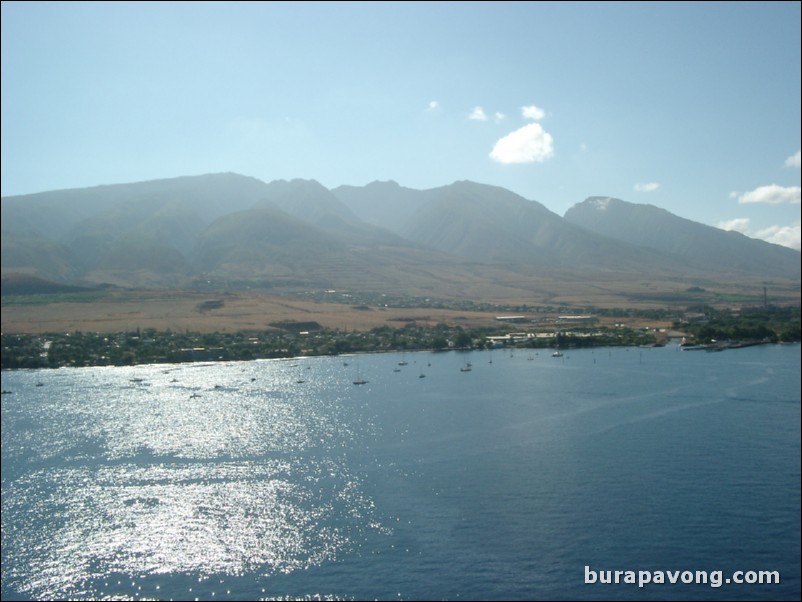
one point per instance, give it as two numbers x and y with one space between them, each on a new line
491 224
385 204
272 246
315 204
25 284
464 240
53 214
308 200
30 253
261 242
704 247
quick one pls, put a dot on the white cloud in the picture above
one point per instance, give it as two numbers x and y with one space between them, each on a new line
787 236
772 195
647 187
478 114
533 112
793 160
499 117
529 144
433 105
739 224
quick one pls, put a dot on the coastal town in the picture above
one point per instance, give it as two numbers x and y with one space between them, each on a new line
704 328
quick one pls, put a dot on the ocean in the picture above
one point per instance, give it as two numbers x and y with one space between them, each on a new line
484 475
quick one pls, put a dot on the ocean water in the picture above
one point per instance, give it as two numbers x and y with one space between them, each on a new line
522 478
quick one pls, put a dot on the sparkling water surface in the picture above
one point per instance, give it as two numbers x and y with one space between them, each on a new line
285 480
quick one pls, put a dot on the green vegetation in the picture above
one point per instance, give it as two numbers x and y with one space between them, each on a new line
705 324
367 300
702 324
150 346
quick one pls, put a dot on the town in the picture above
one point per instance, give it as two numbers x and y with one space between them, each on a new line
704 326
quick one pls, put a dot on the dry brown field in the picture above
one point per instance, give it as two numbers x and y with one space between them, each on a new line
240 312
256 311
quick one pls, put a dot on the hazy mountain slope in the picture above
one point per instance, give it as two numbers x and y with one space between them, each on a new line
131 234
24 284
277 249
261 241
491 224
53 214
310 201
153 251
30 253
141 265
384 204
709 248
306 199
466 240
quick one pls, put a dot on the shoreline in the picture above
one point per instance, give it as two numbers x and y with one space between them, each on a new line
152 347
66 354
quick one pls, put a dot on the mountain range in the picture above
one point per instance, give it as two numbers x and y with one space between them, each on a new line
462 240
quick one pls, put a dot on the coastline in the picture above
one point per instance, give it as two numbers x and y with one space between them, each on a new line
145 348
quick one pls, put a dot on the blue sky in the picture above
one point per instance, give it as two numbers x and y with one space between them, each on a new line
692 107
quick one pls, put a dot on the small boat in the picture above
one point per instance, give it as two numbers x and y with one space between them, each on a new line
359 380
556 354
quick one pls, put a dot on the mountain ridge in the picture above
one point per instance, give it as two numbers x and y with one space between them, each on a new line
648 226
460 239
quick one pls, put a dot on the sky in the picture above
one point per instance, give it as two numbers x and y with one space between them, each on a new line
692 107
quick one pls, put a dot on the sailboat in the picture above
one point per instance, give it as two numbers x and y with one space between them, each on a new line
359 380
